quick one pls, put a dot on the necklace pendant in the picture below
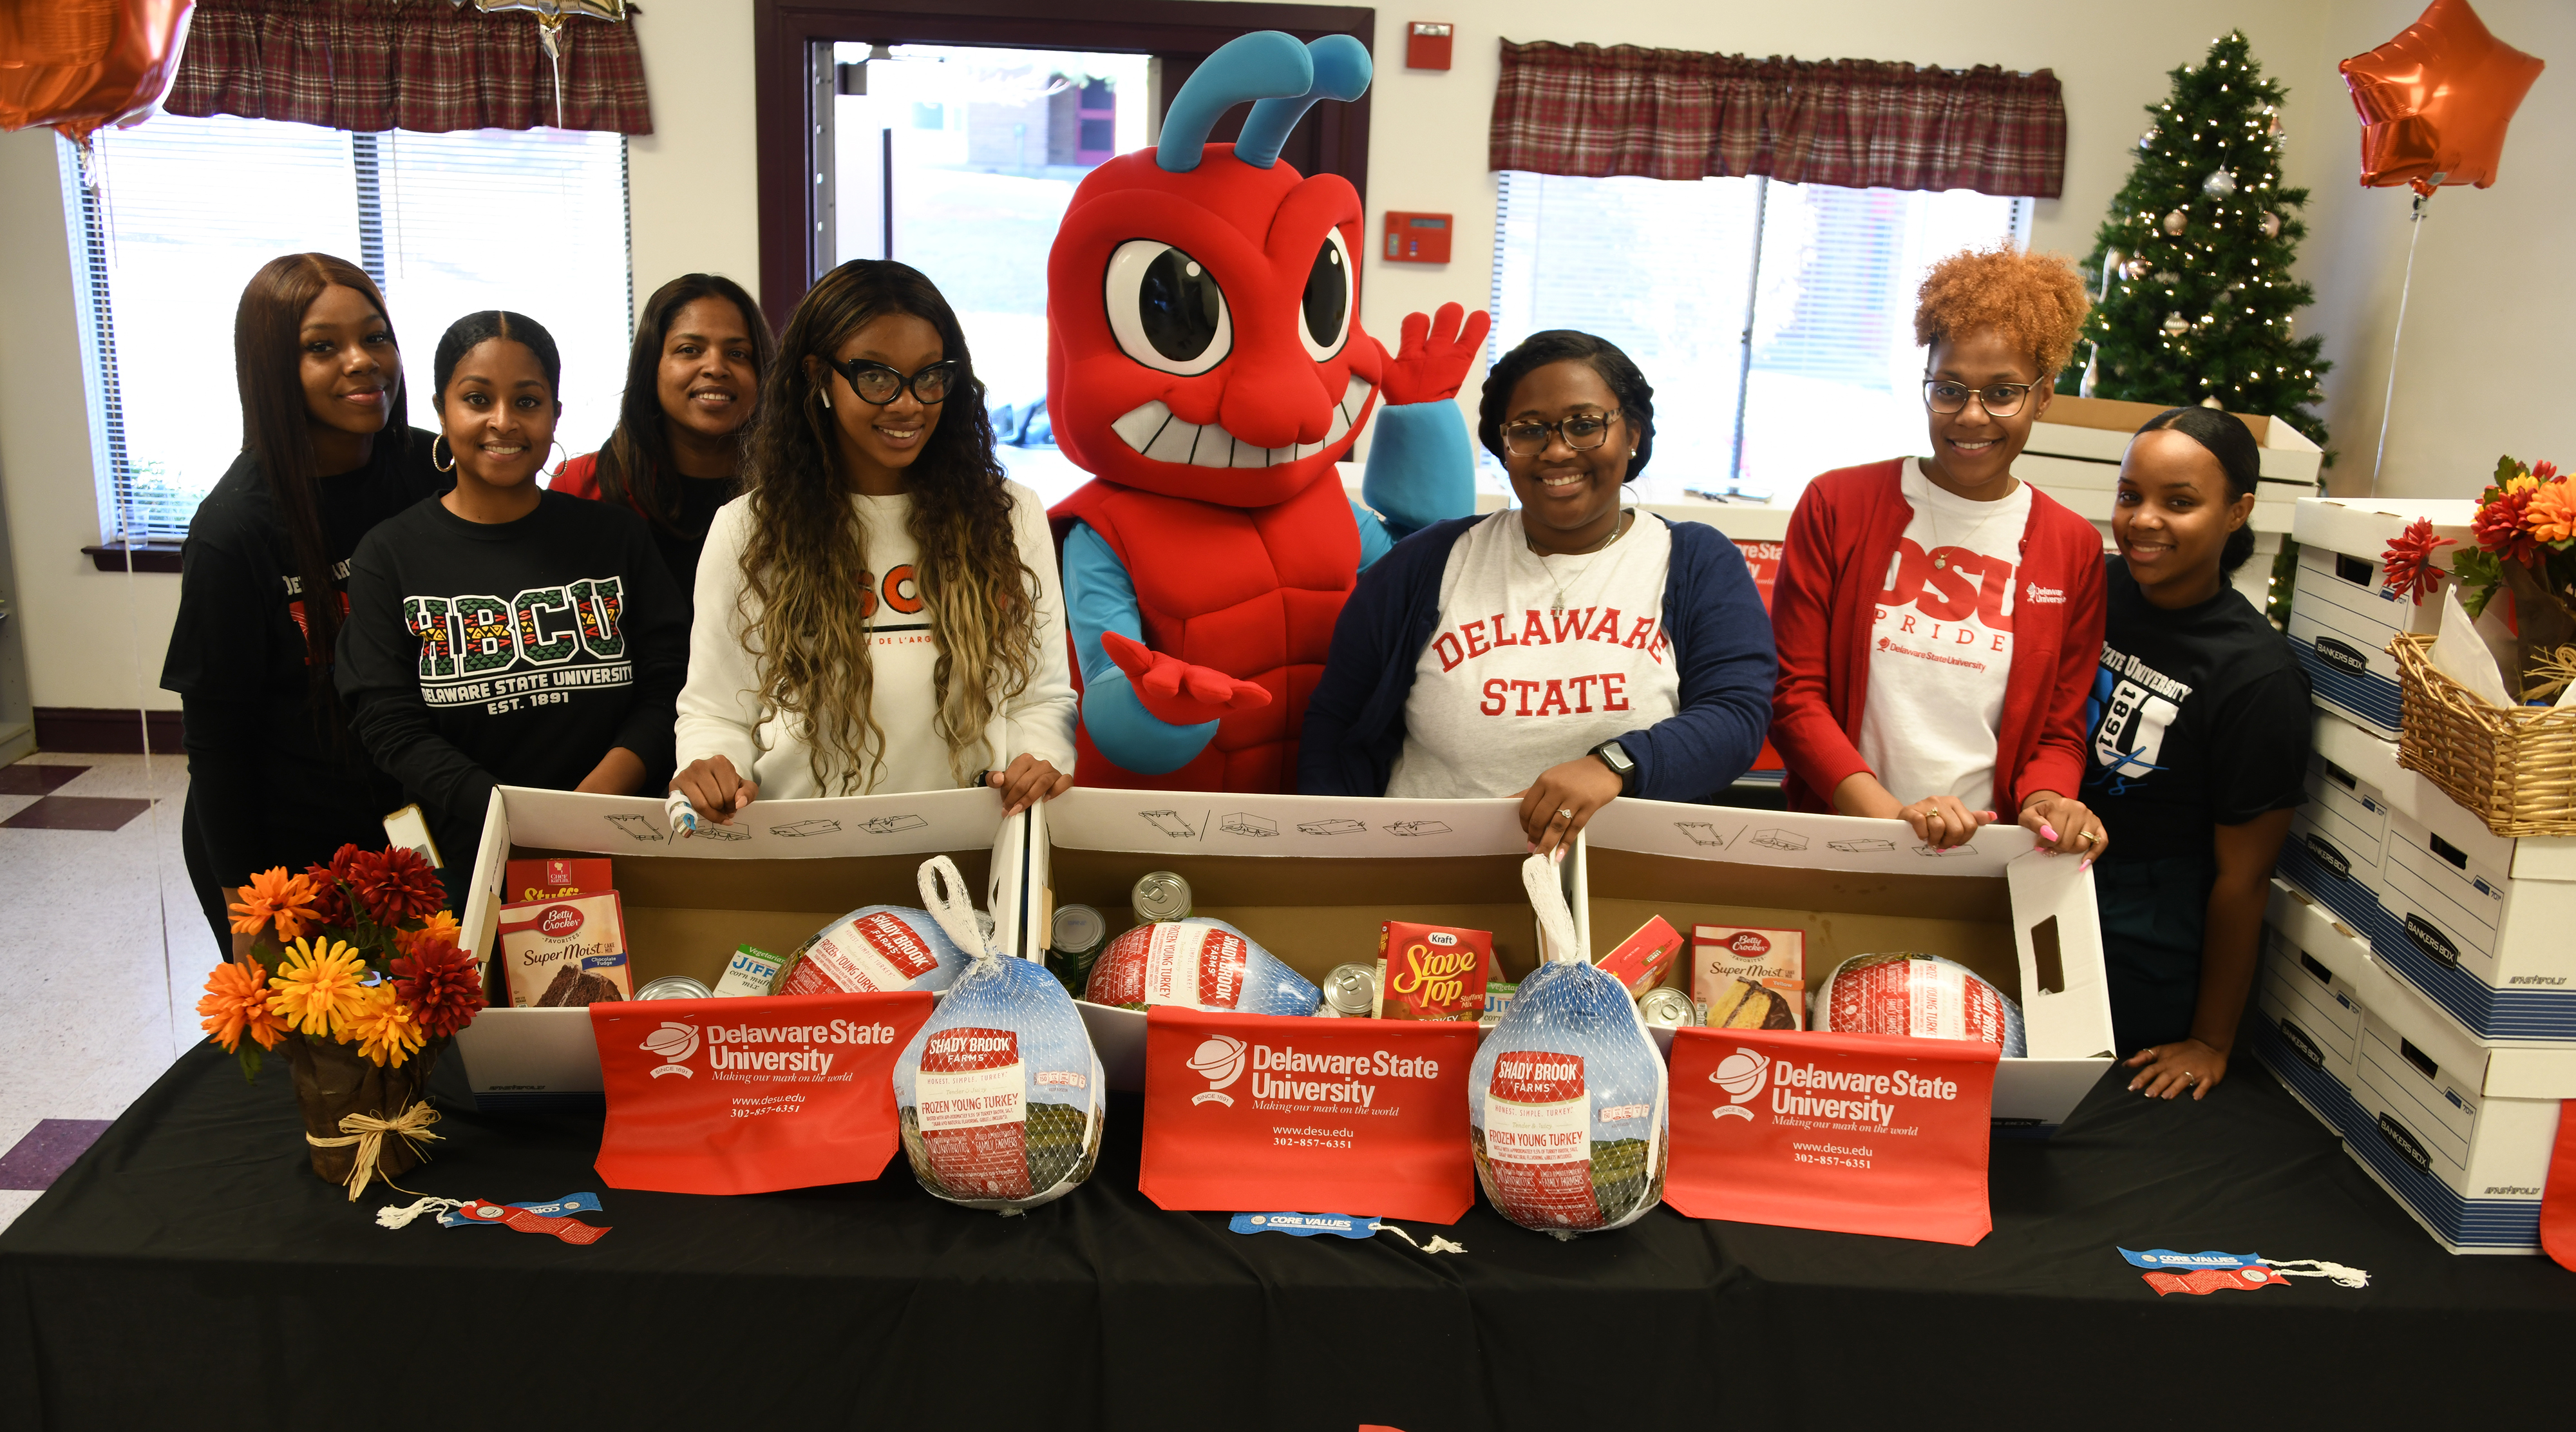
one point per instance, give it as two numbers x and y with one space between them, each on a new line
1560 603
1941 563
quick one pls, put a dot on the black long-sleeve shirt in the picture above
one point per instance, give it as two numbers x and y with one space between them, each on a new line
270 782
510 653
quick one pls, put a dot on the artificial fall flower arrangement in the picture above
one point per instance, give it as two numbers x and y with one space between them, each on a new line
364 954
2525 531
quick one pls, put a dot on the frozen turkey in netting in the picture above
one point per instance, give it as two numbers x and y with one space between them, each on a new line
1567 1101
875 949
1197 963
1000 1094
1916 994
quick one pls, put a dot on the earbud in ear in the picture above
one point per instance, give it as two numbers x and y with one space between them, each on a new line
827 397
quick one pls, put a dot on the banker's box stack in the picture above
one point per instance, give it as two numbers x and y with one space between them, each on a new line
2418 985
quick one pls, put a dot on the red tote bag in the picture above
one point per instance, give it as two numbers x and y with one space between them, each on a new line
1255 1112
1852 1133
751 1095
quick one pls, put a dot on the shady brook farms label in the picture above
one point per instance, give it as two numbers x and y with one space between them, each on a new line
972 1095
871 953
1538 1134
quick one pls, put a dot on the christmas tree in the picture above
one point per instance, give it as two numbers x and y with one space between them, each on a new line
2197 249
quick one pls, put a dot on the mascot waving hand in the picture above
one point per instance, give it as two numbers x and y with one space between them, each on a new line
1206 365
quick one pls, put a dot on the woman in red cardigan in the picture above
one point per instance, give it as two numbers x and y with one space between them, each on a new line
1938 619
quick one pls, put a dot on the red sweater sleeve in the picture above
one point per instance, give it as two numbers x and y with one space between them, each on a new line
578 477
2056 761
1804 727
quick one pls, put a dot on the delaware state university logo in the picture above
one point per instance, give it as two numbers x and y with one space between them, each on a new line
672 1044
1742 1075
1219 1060
2033 594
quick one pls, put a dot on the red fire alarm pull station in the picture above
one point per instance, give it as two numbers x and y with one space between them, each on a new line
1417 238
1427 47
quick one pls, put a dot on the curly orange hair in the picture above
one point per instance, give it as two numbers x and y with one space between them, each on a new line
2035 300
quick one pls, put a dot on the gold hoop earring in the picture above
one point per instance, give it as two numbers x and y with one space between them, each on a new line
447 466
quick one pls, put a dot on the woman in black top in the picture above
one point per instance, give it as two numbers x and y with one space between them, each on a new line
503 635
692 381
275 776
2199 725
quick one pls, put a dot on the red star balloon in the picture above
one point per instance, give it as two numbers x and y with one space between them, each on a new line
2435 101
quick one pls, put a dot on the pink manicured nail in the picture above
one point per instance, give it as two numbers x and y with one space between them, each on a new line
2047 830
2087 865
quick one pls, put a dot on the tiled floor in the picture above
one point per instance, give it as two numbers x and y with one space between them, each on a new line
101 940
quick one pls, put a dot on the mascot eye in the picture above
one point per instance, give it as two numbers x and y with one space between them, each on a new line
1326 308
1166 310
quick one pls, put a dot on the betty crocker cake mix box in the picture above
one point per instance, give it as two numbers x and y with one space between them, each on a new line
1431 971
1745 977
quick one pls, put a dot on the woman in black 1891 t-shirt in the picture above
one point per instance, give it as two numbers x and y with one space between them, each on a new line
2199 740
275 776
504 635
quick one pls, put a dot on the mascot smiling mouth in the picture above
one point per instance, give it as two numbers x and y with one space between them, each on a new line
1155 431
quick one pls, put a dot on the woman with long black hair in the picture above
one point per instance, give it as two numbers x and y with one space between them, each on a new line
692 385
275 775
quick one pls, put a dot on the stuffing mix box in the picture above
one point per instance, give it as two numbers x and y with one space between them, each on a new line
781 872
2022 918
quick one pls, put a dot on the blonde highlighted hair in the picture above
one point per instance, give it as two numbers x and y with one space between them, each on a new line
799 599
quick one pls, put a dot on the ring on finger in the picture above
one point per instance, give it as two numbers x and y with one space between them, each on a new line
2091 839
1565 812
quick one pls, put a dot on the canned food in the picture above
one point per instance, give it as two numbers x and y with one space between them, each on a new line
1160 896
675 987
1667 1007
1078 930
1350 991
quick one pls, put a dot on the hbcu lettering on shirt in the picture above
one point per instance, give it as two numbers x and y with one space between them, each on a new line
1551 696
517 654
1961 606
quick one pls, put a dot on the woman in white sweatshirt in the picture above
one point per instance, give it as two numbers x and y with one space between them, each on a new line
879 611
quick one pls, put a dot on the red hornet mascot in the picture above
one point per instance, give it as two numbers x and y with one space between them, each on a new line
1205 363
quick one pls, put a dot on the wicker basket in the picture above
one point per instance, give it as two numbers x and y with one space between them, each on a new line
2514 767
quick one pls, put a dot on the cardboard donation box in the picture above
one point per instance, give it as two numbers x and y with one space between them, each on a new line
2022 918
2342 613
781 872
2459 1133
1310 879
2471 921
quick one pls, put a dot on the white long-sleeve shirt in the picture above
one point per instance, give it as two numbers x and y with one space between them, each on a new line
720 713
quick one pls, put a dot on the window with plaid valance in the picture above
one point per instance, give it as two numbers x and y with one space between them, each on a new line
429 66
1862 124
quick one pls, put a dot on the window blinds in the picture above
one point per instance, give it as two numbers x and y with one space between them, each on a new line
187 209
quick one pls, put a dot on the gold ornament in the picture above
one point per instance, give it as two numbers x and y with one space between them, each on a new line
2175 221
2176 325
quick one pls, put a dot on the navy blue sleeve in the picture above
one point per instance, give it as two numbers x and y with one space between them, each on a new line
1355 719
1722 638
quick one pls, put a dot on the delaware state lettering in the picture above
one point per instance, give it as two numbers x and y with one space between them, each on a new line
1551 696
532 649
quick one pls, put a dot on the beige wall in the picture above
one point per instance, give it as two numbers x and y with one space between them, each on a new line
2489 300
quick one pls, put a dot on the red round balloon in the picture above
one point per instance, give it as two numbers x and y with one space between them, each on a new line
2435 101
80 65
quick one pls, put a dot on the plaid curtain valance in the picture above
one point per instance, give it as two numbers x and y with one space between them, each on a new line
430 66
1862 124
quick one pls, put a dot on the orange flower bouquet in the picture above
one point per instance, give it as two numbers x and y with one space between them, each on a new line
354 970
2526 544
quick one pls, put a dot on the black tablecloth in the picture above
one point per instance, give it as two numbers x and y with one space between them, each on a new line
189 1270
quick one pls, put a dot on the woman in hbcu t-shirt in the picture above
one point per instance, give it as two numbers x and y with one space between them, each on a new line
504 635
691 380
1937 618
1566 651
879 611
2200 726
275 775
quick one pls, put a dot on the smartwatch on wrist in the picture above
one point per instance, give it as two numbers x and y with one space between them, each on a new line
1617 760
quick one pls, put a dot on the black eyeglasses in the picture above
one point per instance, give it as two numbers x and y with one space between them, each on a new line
879 384
1581 432
2000 400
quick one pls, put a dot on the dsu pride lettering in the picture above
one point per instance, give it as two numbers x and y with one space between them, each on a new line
1950 601
1552 696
